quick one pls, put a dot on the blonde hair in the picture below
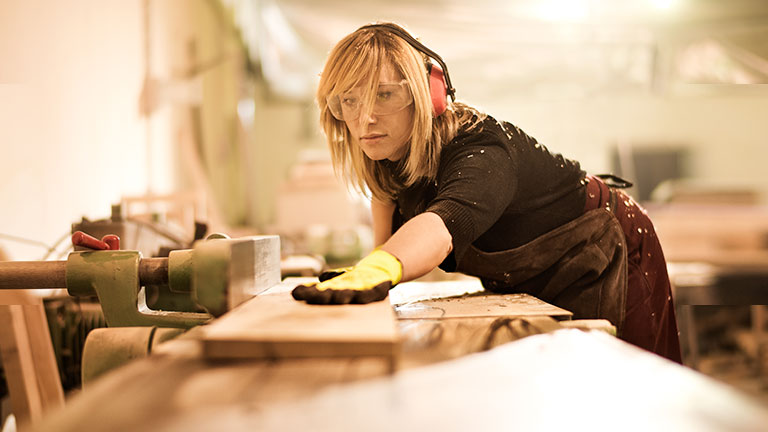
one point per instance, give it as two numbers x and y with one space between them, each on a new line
357 61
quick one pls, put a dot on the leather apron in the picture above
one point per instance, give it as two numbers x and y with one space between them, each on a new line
580 266
607 264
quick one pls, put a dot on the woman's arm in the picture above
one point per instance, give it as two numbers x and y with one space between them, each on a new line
415 249
421 244
381 214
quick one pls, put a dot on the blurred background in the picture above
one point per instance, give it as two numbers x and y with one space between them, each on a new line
184 111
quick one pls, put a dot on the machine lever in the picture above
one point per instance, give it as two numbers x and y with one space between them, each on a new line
108 242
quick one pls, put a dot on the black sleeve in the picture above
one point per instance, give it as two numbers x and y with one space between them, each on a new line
476 183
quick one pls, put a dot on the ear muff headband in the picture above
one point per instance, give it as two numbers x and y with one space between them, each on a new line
439 81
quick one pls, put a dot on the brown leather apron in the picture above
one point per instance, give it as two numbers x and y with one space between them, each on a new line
606 264
580 266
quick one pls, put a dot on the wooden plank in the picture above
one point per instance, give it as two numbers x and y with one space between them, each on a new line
27 356
18 297
481 305
46 369
274 325
18 363
411 292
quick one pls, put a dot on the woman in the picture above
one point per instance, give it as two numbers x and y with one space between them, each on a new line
455 188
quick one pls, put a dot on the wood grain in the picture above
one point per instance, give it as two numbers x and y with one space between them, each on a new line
274 325
481 305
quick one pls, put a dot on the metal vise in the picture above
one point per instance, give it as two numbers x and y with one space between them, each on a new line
217 274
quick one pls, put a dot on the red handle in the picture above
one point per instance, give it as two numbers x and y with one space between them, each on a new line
108 242
112 241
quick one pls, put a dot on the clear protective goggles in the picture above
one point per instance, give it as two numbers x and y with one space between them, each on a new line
390 98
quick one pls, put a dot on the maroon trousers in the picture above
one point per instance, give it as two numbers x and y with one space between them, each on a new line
650 313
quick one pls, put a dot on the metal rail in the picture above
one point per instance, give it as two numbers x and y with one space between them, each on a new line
53 274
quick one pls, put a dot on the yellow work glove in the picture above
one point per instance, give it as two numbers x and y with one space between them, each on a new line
368 281
332 273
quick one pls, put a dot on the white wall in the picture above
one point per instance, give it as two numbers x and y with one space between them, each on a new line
71 139
73 142
725 130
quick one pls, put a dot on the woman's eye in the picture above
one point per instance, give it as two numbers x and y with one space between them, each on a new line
384 96
349 100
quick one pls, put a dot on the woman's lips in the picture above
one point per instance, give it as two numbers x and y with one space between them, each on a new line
371 137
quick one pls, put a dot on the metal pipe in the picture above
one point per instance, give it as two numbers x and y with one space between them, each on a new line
153 271
33 274
52 274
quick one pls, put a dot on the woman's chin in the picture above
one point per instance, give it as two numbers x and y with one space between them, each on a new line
377 156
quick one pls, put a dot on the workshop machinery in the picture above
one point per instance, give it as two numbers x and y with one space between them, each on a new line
216 275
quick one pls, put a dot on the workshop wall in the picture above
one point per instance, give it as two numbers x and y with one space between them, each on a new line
88 115
71 138
724 129
103 100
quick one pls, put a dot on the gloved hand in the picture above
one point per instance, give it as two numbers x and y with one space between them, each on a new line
368 281
332 273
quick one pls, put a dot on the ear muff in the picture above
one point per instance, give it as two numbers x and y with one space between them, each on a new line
438 90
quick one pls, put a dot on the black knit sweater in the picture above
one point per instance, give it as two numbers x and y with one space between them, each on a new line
497 188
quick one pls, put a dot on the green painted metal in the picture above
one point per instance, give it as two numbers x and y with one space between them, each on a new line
175 295
113 276
109 348
180 270
210 275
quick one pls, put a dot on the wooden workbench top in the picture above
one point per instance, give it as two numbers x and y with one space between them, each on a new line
177 383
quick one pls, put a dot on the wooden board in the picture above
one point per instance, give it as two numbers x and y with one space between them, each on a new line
465 298
27 357
274 325
481 305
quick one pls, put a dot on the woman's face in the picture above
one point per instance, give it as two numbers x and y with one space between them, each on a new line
383 136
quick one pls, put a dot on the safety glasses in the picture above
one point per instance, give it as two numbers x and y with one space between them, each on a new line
390 98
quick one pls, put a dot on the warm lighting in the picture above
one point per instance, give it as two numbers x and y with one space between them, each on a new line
663 4
246 110
563 10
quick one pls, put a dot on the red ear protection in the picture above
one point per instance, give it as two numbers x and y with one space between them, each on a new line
437 89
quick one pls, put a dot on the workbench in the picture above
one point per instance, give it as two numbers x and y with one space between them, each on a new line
444 380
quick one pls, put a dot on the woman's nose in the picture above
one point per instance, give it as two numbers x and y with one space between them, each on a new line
368 117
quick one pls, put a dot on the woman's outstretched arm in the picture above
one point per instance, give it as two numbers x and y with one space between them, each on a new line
381 215
421 244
